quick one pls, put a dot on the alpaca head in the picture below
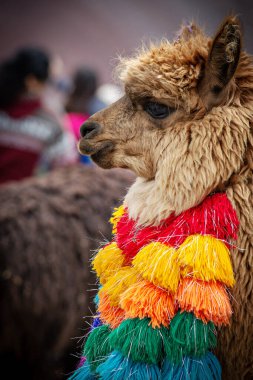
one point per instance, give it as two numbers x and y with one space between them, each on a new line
184 123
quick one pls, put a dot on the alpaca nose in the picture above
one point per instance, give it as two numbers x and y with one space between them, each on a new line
89 129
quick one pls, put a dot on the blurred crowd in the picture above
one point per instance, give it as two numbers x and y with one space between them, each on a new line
41 111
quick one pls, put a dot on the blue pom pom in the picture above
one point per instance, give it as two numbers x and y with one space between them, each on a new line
206 367
83 373
119 367
96 323
96 299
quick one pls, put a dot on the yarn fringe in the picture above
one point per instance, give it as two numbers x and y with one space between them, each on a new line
189 336
147 300
148 274
97 346
83 373
209 301
81 361
108 261
214 216
157 263
135 338
206 258
116 216
96 322
119 367
205 368
131 238
110 315
118 283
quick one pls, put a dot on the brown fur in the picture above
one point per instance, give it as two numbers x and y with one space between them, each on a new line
49 228
205 145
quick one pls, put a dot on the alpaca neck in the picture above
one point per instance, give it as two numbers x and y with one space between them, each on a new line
147 203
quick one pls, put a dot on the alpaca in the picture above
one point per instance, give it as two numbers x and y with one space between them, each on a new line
184 127
49 226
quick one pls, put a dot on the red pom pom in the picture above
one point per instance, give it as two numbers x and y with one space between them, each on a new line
214 216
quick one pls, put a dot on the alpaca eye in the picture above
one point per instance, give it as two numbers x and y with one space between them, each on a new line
157 110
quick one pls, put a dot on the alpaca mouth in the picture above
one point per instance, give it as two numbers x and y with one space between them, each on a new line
95 151
103 151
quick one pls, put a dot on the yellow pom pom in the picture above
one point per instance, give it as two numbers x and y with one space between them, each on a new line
157 263
206 258
118 283
108 261
116 217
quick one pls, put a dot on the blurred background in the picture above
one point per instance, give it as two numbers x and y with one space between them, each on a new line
56 69
95 32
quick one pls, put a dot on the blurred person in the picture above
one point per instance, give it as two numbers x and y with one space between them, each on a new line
82 101
82 98
32 139
58 86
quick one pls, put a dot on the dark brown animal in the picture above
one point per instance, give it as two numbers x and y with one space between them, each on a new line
49 227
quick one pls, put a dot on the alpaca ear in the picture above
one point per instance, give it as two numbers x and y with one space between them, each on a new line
221 63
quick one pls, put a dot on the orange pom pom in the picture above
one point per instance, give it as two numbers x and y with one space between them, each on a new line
207 300
110 315
147 300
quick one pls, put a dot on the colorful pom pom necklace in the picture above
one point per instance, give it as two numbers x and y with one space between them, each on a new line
163 295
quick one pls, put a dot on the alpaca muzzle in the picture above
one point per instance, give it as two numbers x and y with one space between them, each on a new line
89 129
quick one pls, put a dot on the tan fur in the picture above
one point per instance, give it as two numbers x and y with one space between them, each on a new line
205 145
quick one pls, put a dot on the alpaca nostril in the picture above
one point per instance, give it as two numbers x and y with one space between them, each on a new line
89 129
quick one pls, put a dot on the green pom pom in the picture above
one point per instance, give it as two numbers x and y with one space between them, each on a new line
135 338
97 346
189 336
